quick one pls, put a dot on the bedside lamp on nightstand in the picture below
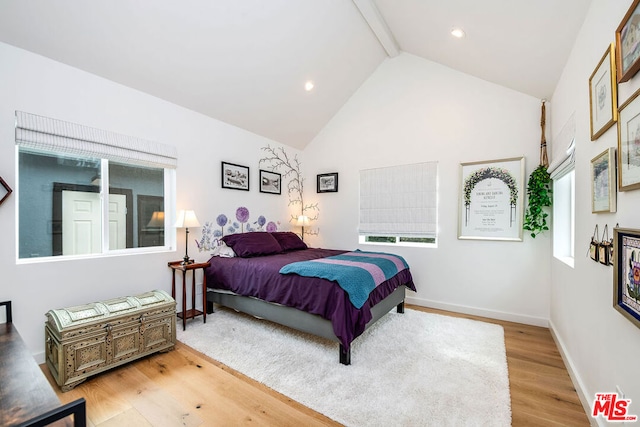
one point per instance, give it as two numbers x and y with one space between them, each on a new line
186 219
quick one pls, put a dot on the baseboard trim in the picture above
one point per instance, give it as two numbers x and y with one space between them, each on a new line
575 377
492 314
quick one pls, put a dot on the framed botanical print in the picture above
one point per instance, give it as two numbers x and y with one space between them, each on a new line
603 94
603 182
627 46
629 144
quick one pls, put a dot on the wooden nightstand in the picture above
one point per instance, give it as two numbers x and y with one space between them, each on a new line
192 312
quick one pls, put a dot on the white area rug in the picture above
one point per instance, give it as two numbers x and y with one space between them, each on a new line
411 369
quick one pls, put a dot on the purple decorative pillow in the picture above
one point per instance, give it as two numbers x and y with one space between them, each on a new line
255 243
289 241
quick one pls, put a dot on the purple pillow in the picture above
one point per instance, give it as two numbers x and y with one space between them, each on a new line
255 243
289 241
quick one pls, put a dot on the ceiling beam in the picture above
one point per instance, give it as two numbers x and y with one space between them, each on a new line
372 16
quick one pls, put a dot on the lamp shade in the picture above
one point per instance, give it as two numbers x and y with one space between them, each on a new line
157 220
303 220
187 218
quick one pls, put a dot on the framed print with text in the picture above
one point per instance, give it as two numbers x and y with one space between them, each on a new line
235 177
603 94
603 182
491 200
626 273
629 144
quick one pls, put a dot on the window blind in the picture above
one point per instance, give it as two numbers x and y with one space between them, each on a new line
399 201
52 135
564 160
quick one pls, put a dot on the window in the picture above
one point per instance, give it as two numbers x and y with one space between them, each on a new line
64 172
398 205
562 173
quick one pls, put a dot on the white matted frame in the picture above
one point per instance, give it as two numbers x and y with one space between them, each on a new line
629 144
603 99
603 182
491 200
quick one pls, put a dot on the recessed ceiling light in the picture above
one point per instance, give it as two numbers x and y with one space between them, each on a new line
457 33
308 86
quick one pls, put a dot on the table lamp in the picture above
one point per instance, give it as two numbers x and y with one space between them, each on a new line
186 219
302 221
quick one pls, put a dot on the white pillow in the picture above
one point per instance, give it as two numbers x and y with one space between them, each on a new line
222 250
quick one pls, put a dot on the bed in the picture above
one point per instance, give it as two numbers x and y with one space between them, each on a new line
251 282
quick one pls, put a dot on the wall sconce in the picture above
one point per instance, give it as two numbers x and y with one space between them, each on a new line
302 221
186 219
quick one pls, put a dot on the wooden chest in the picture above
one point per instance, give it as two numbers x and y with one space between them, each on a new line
85 340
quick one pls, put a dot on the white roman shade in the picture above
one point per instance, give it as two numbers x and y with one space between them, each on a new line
399 201
51 135
564 150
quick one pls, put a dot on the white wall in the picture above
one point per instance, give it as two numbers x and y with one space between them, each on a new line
41 86
412 110
599 343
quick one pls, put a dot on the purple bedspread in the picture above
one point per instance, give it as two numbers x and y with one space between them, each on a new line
259 277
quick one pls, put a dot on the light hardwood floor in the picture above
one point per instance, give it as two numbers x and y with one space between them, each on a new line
186 388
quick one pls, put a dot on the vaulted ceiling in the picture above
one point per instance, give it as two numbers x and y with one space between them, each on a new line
246 62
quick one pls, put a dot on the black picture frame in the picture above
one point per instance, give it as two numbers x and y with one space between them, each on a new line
626 273
5 190
270 182
235 177
327 182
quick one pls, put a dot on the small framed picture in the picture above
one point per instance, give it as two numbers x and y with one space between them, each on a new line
603 94
626 273
328 182
235 177
603 181
270 182
5 190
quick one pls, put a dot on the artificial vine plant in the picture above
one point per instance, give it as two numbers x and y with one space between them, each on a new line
539 188
539 195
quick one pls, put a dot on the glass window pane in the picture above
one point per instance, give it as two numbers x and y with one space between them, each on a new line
136 206
59 205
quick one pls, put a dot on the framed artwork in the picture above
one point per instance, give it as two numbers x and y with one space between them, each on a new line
603 182
235 177
626 273
627 46
5 190
270 182
629 144
491 200
328 182
603 100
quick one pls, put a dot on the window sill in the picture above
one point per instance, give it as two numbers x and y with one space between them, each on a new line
566 260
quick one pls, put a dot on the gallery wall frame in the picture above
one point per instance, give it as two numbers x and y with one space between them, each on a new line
5 190
491 200
270 182
235 177
627 51
629 144
603 94
626 273
327 183
603 182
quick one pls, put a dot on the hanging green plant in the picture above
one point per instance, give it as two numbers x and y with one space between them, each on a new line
539 196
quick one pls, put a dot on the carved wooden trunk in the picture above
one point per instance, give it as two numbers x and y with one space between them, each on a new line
85 340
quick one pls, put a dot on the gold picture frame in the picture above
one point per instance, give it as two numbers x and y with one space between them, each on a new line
603 182
603 98
627 50
629 144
